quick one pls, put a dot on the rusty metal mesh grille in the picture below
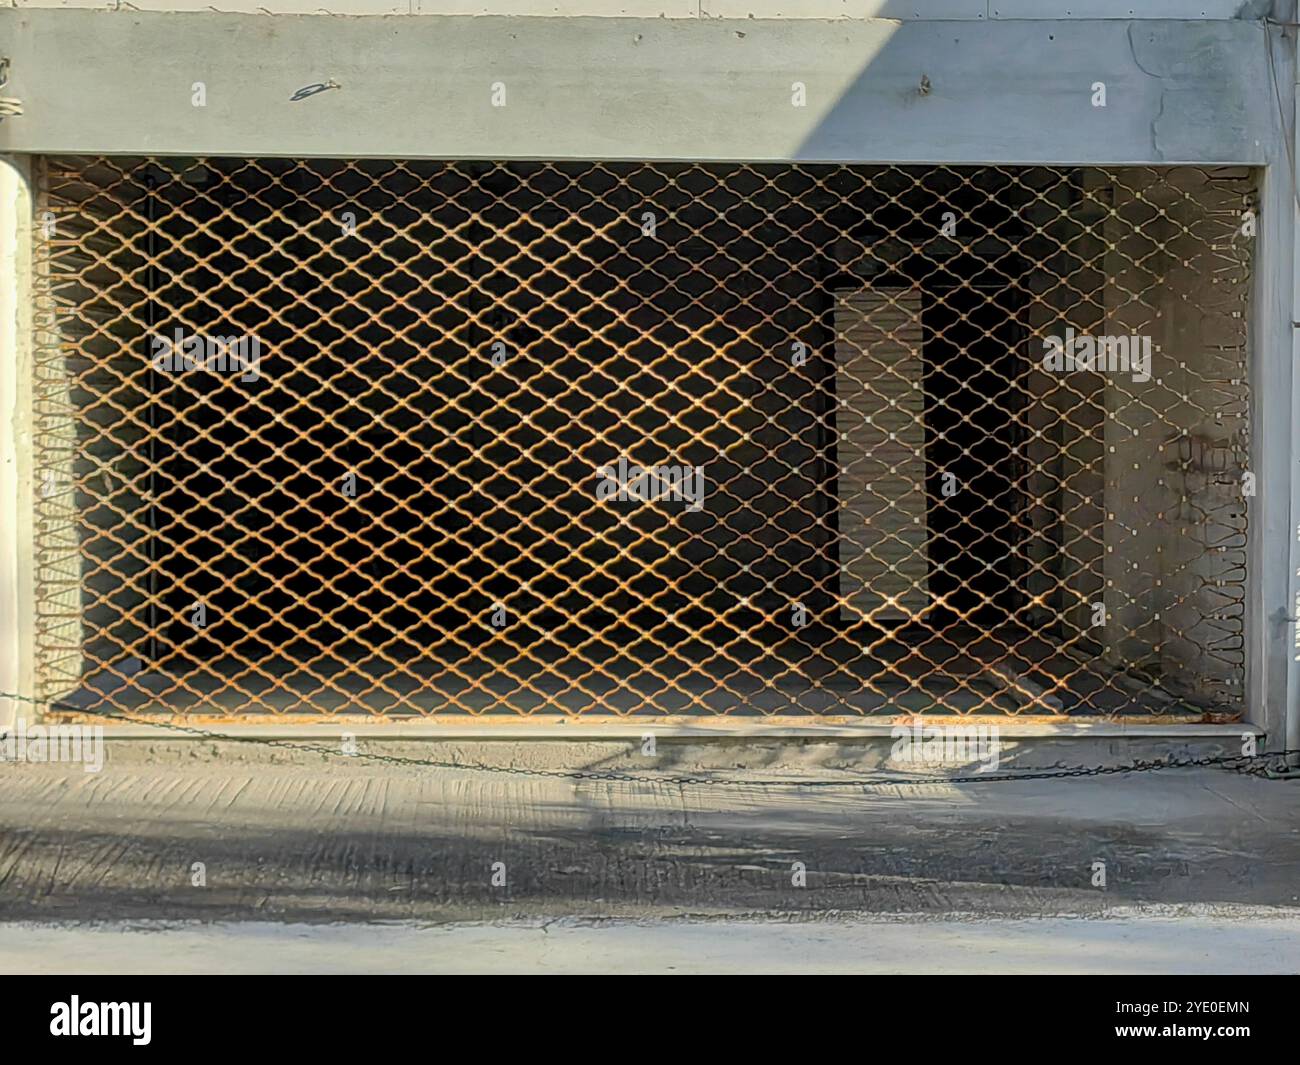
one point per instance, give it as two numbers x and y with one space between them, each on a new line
868 492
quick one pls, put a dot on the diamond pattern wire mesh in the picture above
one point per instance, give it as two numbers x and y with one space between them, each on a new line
901 509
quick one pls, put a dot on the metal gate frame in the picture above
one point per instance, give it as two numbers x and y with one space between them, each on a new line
469 477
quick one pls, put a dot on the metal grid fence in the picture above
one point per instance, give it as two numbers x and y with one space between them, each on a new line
420 437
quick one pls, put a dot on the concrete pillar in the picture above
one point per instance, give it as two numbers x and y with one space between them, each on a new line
1273 674
17 669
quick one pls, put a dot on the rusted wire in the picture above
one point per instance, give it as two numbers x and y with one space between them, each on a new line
873 494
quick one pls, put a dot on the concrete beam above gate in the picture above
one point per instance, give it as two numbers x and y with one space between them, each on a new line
874 90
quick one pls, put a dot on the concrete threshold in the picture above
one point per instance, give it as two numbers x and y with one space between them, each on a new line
552 728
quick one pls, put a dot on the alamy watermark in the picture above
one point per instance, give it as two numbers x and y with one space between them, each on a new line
1098 354
648 484
183 352
54 743
77 1018
951 745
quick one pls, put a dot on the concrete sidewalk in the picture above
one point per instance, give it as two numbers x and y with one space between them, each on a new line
228 832
1149 941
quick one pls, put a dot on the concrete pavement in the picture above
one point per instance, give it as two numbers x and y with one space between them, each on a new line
229 832
1152 941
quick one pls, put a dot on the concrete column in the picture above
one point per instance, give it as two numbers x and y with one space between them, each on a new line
17 669
1289 352
1273 675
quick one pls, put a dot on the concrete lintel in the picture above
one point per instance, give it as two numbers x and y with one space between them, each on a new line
654 89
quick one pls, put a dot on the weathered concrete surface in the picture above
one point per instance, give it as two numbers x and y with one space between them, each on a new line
642 89
17 631
1144 942
784 9
288 838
